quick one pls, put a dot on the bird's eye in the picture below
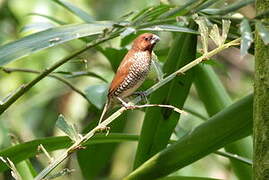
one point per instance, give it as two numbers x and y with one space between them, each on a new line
146 38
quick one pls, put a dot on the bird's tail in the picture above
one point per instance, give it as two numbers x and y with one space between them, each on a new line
106 108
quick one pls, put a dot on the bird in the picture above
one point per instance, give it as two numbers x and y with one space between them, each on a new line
131 72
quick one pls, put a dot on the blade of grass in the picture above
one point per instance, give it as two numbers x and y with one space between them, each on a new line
215 98
229 125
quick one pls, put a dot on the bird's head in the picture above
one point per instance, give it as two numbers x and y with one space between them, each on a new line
145 42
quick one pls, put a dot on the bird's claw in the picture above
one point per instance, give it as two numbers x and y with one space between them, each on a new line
142 94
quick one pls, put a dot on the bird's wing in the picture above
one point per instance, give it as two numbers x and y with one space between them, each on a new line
121 73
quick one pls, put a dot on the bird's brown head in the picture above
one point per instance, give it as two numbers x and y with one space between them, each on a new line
145 42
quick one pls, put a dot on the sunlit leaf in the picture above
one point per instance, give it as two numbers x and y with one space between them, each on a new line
45 39
263 32
246 37
170 28
37 27
114 56
203 29
57 21
97 94
75 10
67 128
186 178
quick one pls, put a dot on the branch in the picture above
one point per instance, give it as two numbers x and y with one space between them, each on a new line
10 70
111 118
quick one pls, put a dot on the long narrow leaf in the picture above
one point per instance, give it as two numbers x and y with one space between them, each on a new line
46 39
75 10
231 124
158 125
215 99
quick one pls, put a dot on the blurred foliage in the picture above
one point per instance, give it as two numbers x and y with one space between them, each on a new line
40 32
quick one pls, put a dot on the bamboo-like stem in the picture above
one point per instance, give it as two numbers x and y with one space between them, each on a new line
70 85
111 118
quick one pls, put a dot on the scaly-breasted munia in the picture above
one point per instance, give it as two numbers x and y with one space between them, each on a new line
132 70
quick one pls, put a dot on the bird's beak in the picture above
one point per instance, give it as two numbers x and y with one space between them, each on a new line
155 39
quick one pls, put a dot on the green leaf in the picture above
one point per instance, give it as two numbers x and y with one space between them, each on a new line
186 178
37 27
67 128
45 39
246 37
159 124
57 21
215 98
206 4
75 10
99 156
263 32
230 8
114 56
170 28
29 149
97 94
229 125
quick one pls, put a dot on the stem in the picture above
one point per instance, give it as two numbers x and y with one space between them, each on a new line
10 70
111 118
235 157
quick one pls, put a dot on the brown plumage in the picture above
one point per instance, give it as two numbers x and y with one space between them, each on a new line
132 71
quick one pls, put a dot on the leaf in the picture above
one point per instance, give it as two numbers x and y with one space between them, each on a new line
215 98
127 32
45 39
263 32
157 67
186 178
97 94
75 10
49 18
99 156
67 128
203 29
229 125
170 28
20 152
158 124
230 8
215 34
246 37
206 4
114 56
37 27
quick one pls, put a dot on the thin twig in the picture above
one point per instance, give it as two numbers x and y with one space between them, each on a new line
235 157
10 70
159 105
111 118
42 149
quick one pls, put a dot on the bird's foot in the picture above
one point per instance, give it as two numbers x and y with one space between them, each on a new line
125 104
143 95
